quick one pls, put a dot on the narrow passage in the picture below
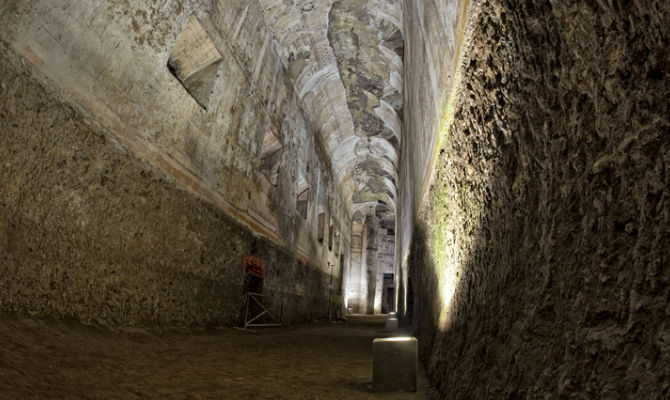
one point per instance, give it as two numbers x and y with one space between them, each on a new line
65 359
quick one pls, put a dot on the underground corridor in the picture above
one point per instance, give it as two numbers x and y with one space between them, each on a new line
334 199
63 359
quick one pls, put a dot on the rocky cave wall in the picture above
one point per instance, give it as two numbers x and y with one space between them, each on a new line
123 200
433 33
540 265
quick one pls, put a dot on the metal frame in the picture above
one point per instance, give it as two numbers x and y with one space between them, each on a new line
250 321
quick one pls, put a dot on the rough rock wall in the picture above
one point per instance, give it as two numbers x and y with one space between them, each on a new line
541 262
432 32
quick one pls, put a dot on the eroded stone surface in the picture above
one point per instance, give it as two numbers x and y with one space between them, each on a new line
541 265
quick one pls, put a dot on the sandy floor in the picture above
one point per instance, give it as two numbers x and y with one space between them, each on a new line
67 360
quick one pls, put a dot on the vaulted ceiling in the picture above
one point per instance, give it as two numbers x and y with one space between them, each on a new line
345 60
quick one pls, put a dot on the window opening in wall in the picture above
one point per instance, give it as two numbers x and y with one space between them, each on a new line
302 199
337 242
340 285
321 226
394 142
194 61
270 157
330 237
301 205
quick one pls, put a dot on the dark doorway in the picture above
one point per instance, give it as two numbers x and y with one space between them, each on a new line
388 294
390 299
254 272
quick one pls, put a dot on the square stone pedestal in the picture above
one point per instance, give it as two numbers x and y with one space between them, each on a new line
394 364
391 325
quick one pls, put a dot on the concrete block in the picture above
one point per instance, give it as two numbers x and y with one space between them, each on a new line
391 324
394 365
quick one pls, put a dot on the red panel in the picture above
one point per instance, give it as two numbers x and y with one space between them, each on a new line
254 265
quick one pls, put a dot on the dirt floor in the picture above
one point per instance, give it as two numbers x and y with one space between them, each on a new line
67 360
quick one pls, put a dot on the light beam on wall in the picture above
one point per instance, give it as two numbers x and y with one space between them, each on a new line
453 205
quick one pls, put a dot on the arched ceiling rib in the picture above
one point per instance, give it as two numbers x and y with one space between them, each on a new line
345 60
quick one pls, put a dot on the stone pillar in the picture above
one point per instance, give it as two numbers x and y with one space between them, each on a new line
370 232
355 285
